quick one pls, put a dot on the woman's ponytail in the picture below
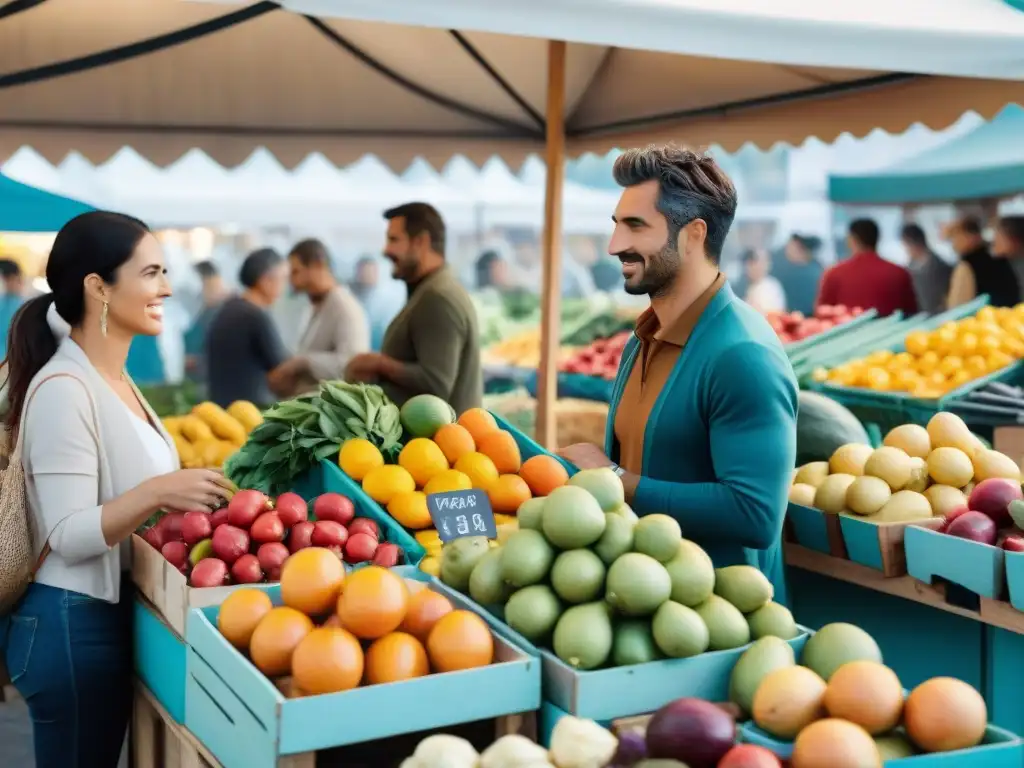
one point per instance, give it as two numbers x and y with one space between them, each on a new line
30 345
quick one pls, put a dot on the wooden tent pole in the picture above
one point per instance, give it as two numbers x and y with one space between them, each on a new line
551 250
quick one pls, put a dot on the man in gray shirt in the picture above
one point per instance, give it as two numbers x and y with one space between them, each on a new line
929 273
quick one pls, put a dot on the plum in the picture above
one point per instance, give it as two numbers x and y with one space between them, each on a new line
209 572
266 528
334 506
176 553
246 570
387 555
272 556
219 517
195 526
360 547
364 525
291 508
328 533
245 507
230 543
300 536
170 526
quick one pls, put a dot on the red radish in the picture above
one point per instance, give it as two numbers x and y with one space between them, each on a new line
219 517
974 526
245 507
291 508
230 543
195 526
327 533
170 526
209 572
300 536
360 548
993 497
1013 543
154 538
334 506
267 527
948 519
246 570
364 525
176 553
387 555
272 556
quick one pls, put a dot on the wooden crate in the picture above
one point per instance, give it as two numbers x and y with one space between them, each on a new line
158 742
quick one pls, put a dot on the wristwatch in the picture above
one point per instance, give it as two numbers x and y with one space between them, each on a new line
619 471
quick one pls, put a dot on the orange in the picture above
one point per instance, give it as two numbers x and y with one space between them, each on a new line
507 493
455 441
394 657
941 341
877 378
966 344
311 580
944 714
240 613
478 422
425 608
410 510
373 602
423 459
358 457
543 474
384 483
449 480
916 343
501 448
327 660
478 468
460 640
275 639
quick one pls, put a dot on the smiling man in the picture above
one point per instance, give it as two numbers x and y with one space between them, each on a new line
702 423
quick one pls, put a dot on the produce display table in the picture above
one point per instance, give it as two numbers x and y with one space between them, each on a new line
921 633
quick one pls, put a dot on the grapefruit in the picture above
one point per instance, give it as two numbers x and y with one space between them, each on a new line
240 613
460 640
944 714
275 639
866 693
373 602
425 607
327 660
394 657
311 580
834 743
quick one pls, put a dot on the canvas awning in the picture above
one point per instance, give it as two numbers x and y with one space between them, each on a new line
164 76
27 209
988 162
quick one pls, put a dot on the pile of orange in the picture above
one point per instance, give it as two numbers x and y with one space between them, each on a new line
335 633
934 363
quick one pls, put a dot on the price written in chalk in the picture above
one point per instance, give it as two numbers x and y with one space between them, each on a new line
462 513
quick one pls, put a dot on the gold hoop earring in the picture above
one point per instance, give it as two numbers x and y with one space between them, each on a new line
103 318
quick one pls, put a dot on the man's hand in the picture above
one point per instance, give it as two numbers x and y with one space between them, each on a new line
585 456
365 367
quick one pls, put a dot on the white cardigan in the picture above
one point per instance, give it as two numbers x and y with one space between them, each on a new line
71 471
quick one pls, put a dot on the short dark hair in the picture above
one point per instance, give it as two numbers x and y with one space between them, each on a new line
691 185
865 232
420 218
256 265
1013 227
207 269
913 234
969 225
9 268
311 251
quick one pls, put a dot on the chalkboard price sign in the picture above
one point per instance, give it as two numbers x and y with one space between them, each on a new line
462 513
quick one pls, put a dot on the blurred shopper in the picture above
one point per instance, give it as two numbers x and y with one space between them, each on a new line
492 272
433 345
338 328
214 293
799 272
977 272
379 307
764 293
929 273
866 279
11 300
1008 244
243 346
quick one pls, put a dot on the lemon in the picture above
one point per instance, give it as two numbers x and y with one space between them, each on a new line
478 468
357 457
410 510
449 480
384 483
431 565
424 459
916 343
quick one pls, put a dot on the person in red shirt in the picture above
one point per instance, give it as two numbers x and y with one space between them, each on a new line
866 279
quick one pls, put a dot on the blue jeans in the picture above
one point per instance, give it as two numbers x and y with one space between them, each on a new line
70 658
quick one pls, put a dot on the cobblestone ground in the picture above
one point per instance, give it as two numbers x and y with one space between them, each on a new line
15 733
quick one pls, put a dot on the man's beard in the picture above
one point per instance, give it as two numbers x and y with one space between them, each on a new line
659 271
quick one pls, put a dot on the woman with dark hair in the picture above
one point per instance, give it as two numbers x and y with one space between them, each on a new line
97 464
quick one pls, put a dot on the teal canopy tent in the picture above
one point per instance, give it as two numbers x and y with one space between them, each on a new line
987 162
27 209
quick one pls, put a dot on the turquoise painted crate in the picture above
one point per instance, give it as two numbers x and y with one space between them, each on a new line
328 478
245 721
606 694
1004 671
999 749
815 529
977 567
878 545
1015 578
831 335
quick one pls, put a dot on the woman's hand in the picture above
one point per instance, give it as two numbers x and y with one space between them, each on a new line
189 490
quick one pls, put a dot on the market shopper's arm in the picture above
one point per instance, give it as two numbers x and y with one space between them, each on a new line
827 289
962 287
438 340
751 407
350 331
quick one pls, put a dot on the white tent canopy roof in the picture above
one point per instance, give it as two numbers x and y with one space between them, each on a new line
97 76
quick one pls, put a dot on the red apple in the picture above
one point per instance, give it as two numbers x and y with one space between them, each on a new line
334 506
154 538
291 508
209 572
170 526
176 553
272 556
195 526
1013 543
245 507
301 536
749 756
246 570
993 496
328 533
364 525
360 547
219 517
230 543
267 527
387 555
948 519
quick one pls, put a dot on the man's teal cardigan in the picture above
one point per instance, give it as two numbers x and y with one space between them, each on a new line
720 445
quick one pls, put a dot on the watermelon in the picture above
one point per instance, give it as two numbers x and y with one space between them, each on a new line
822 425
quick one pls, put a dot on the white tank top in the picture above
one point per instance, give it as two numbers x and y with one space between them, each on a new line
158 450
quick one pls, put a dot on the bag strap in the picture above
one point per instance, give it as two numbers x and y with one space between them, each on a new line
16 453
